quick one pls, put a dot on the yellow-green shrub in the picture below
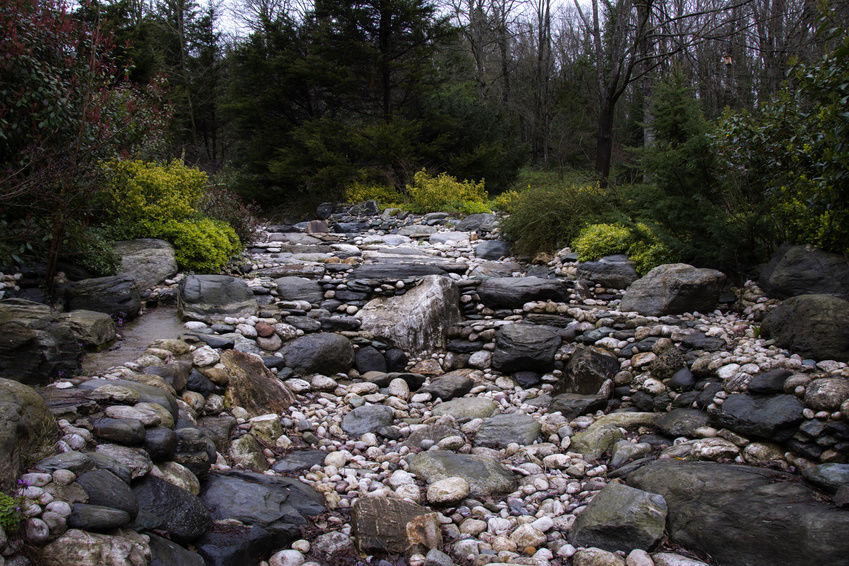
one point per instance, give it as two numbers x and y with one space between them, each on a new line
506 201
648 251
361 192
201 244
447 194
141 196
598 240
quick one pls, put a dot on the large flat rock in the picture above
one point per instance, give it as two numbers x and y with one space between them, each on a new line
513 292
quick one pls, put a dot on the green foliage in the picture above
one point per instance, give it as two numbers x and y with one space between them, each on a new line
360 192
91 249
506 201
201 244
647 250
447 194
598 240
11 512
547 218
789 161
221 203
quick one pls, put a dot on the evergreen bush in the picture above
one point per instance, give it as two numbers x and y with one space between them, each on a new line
598 240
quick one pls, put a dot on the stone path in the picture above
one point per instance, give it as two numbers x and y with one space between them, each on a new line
388 386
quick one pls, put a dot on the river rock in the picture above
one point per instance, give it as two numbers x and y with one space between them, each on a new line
525 347
36 343
483 222
492 249
211 298
164 506
147 261
514 292
466 408
129 432
323 353
682 422
448 386
805 270
596 440
772 417
419 319
572 405
164 552
672 289
501 430
620 517
116 295
97 518
615 272
587 370
253 386
368 418
486 476
145 393
28 431
815 326
299 289
106 489
393 271
827 394
80 548
384 525
745 515
93 329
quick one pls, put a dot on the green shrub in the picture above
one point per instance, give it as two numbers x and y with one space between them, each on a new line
545 219
141 196
446 194
506 201
201 244
91 249
384 195
598 240
11 512
647 250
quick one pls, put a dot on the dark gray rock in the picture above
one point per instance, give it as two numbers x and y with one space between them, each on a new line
395 271
682 422
414 380
299 289
93 330
767 382
477 222
829 477
745 516
501 430
615 272
28 431
430 434
211 298
525 347
772 417
116 295
238 545
97 518
573 405
492 249
448 386
368 418
147 261
513 292
815 326
176 374
195 450
587 369
367 208
805 270
673 289
620 517
339 323
146 393
396 360
77 462
323 353
486 476
36 344
682 380
108 490
160 443
166 507
276 504
299 460
305 323
129 432
164 552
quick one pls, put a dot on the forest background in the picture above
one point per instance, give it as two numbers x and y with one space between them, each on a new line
705 131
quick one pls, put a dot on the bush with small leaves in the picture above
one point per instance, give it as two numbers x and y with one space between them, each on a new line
598 240
201 244
384 195
446 194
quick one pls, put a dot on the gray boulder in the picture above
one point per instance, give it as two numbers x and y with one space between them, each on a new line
620 517
28 431
92 329
36 343
324 353
587 370
513 292
504 429
614 271
815 326
419 319
492 249
474 222
673 289
368 418
525 347
829 477
395 270
772 417
211 298
164 552
451 385
745 516
147 261
466 408
572 405
805 270
299 289
486 476
116 295
81 548
166 507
